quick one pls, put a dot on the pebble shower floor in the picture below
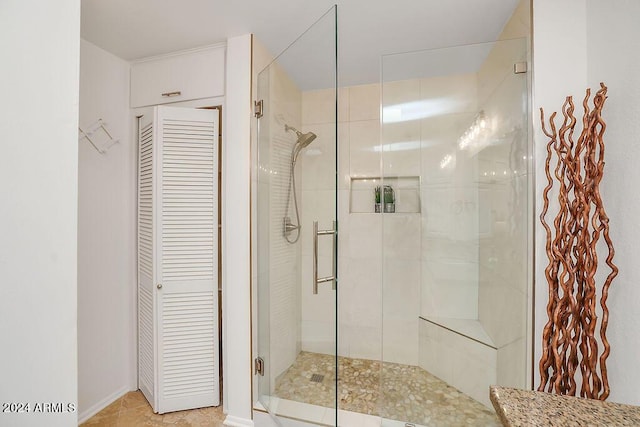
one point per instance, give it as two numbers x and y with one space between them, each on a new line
398 392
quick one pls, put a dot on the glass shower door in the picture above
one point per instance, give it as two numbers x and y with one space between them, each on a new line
296 228
456 277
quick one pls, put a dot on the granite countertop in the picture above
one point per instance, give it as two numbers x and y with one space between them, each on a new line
534 408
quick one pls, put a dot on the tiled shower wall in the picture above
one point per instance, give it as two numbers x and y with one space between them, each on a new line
317 170
392 267
366 239
502 299
504 281
450 220
278 261
473 222
359 269
388 263
453 226
453 258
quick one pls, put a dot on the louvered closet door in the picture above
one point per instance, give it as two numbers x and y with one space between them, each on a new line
187 234
146 278
186 258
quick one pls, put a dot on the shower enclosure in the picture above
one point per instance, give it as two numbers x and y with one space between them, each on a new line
392 235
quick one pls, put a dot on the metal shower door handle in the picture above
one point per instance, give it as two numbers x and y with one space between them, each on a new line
334 233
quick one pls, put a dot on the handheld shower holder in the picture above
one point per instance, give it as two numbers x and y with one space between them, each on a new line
288 226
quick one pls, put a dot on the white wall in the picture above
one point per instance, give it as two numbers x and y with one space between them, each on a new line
236 266
39 41
613 46
106 236
604 41
557 72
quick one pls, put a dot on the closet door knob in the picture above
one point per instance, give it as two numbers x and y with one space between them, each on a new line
159 286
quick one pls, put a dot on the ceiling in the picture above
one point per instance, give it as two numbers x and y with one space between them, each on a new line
367 29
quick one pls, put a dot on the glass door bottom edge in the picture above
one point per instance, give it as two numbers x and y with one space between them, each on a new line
323 416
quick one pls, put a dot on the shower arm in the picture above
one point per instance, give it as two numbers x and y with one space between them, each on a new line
287 128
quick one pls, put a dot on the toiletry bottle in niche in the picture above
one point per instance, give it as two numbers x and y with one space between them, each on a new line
389 197
378 204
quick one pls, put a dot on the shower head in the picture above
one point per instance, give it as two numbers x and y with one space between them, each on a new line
304 139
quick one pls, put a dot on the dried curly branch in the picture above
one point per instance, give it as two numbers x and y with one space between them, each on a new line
569 341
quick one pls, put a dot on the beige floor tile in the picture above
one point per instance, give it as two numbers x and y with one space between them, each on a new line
133 410
133 399
108 417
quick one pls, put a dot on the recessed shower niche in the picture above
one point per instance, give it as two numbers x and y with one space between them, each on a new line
367 192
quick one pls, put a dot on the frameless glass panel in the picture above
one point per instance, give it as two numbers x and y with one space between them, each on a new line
296 216
455 283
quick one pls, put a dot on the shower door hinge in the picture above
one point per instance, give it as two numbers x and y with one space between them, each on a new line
257 108
259 366
519 68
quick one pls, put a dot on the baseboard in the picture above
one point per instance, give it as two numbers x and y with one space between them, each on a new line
94 409
232 421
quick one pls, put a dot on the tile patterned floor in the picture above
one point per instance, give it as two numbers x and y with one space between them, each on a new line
393 391
132 410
